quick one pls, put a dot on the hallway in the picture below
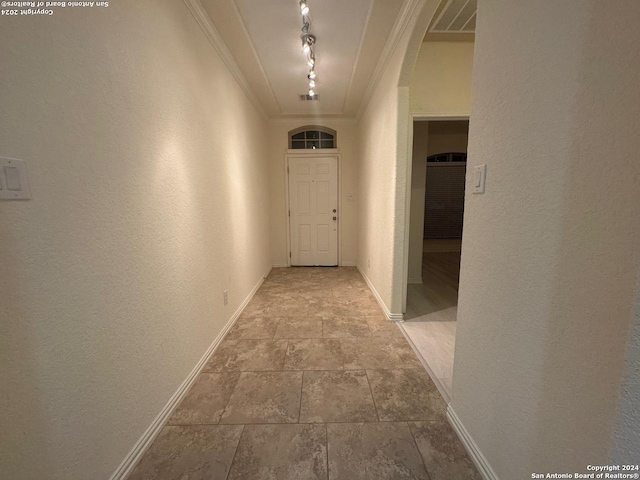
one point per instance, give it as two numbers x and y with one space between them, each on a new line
164 162
312 382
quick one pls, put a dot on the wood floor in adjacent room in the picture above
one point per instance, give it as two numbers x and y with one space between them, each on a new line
312 382
432 308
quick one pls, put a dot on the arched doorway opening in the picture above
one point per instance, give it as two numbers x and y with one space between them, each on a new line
434 94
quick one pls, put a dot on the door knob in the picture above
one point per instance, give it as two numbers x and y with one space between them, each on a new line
334 210
335 218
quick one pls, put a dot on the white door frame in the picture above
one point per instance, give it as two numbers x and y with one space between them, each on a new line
321 152
415 117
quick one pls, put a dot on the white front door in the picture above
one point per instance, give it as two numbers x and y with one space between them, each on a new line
313 204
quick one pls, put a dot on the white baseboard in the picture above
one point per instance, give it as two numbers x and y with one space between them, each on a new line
414 280
348 264
395 317
474 452
281 266
147 438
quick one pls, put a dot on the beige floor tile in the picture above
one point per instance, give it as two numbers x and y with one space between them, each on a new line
264 397
318 291
381 326
257 308
253 327
407 356
276 369
328 307
220 356
256 356
351 293
342 327
293 308
205 401
292 452
299 327
380 451
337 397
196 452
367 306
406 394
274 293
442 451
313 354
371 353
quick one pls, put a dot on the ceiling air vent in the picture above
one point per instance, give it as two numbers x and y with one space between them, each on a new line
457 16
305 97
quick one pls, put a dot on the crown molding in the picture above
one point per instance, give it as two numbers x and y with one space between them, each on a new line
358 55
255 55
399 27
202 18
311 120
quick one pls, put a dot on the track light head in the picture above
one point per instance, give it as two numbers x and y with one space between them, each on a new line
304 8
308 39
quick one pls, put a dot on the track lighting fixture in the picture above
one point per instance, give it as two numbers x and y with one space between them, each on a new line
308 41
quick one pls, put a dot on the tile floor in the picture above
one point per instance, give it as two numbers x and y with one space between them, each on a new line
312 382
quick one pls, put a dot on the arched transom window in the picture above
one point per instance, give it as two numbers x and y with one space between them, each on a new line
312 137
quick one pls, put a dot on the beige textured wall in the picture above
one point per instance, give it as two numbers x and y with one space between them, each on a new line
348 148
626 444
441 80
550 252
378 245
148 173
385 167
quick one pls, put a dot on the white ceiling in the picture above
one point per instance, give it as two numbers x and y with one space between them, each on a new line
264 39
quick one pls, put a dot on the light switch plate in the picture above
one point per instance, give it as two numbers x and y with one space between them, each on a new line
13 174
479 176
